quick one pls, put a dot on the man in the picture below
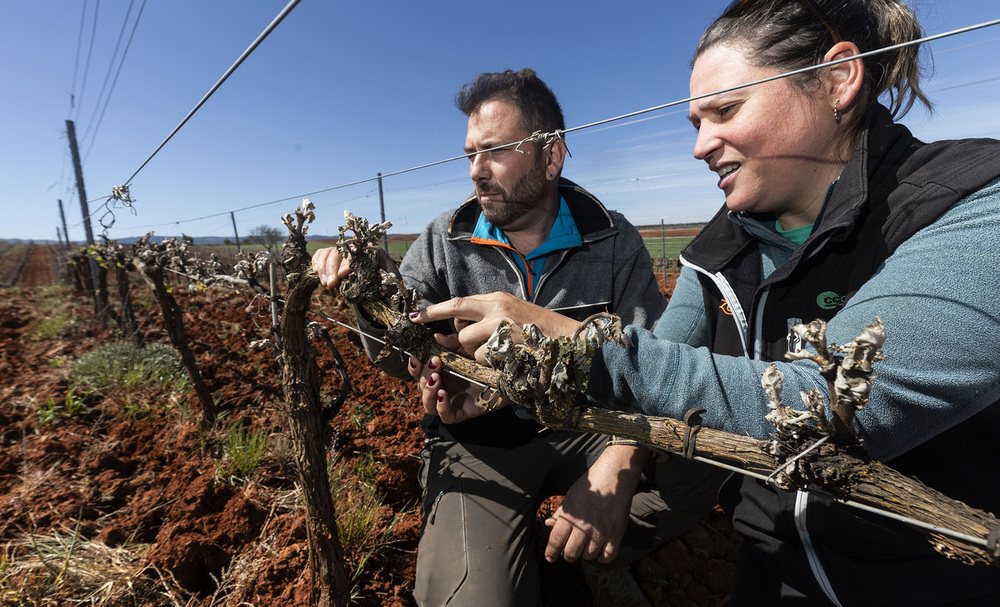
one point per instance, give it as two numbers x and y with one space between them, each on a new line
529 232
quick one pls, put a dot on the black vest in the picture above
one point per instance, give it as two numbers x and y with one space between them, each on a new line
893 186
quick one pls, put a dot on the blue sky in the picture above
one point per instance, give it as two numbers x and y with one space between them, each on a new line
341 91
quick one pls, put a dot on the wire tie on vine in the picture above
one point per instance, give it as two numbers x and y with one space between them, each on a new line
693 420
770 479
120 192
540 137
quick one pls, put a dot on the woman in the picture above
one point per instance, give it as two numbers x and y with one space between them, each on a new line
832 212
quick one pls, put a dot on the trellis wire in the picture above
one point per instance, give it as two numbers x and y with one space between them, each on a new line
253 45
557 133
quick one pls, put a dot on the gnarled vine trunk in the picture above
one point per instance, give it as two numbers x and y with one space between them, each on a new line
302 410
173 322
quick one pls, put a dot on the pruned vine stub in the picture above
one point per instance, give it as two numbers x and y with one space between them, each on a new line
382 293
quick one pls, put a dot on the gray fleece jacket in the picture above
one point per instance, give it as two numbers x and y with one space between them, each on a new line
610 271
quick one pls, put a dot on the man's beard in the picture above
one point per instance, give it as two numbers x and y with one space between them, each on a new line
525 196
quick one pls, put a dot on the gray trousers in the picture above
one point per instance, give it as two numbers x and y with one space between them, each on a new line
477 547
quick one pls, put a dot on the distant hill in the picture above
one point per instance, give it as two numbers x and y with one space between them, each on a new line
22 240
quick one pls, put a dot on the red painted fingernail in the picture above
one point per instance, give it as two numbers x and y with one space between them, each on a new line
440 398
414 315
431 381
413 365
431 365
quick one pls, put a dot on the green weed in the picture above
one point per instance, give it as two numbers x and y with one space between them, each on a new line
53 411
137 379
366 468
53 325
52 312
361 514
361 414
125 365
242 453
49 412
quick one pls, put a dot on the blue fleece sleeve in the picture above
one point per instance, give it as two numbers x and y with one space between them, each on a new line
684 319
936 296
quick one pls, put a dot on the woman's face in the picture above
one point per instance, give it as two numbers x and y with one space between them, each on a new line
772 145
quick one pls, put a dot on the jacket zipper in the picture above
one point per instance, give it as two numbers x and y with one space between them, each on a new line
802 498
801 501
758 326
549 269
517 272
799 513
739 316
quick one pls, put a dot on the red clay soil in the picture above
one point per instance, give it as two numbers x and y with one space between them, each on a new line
40 267
146 479
669 233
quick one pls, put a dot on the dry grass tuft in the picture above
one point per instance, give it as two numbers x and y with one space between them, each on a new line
65 569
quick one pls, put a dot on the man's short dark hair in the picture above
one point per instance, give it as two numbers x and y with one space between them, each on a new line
534 101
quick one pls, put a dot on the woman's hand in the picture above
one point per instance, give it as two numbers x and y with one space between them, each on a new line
448 396
477 317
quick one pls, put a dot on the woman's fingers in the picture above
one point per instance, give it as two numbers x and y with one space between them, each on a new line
448 396
477 316
472 308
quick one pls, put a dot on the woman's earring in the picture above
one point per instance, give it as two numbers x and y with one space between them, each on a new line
836 110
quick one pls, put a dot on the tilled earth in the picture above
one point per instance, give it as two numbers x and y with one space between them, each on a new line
142 481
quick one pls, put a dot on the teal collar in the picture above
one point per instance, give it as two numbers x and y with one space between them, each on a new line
563 235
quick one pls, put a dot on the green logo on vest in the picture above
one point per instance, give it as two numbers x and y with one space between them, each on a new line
828 300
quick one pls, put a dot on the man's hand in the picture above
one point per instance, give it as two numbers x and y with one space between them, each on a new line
593 516
477 317
446 395
332 267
